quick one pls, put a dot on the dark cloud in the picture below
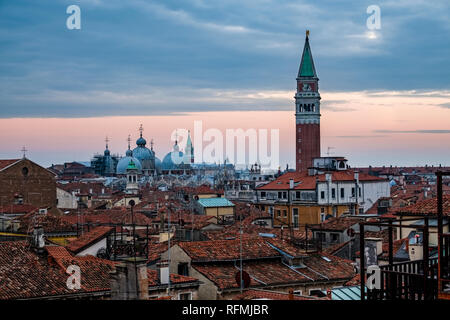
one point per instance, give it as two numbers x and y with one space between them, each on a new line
131 46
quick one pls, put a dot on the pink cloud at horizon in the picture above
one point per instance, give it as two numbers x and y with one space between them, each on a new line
368 129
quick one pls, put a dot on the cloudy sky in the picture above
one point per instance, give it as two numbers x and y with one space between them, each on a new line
385 93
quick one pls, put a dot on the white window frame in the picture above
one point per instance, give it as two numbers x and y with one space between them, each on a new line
190 295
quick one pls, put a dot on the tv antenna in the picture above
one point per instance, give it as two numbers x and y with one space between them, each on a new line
328 150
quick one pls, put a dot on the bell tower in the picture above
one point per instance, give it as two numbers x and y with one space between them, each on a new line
307 112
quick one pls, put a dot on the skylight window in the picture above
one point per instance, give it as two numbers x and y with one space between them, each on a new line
326 259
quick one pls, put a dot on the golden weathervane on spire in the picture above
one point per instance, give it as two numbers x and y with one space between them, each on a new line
307 33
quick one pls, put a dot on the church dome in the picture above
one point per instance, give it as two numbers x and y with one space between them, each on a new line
125 161
172 160
141 142
143 153
158 163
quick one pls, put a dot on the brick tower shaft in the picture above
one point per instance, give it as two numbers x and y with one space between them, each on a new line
307 112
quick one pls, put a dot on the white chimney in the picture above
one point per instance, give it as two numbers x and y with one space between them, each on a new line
163 272
328 177
291 183
415 251
356 175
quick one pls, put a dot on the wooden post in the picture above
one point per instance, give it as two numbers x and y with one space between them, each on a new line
362 259
391 246
391 261
440 228
426 260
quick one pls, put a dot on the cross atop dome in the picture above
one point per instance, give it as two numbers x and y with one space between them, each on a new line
141 129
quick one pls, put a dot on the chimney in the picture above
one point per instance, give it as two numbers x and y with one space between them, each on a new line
415 248
163 272
291 183
329 294
356 175
129 281
328 177
378 242
291 294
37 239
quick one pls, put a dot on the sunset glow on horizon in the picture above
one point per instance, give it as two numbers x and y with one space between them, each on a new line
368 129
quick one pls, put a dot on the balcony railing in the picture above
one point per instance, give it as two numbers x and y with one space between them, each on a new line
407 281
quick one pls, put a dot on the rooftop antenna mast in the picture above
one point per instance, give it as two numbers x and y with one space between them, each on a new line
328 150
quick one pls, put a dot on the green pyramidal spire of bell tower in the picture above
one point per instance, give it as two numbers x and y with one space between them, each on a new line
307 64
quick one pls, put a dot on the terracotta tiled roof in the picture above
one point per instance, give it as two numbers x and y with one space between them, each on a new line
117 216
226 250
274 272
155 249
302 181
174 278
337 224
426 207
335 248
49 222
252 294
25 274
7 162
356 280
94 271
88 238
403 170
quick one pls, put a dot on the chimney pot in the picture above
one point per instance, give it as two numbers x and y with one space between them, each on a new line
291 183
163 272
